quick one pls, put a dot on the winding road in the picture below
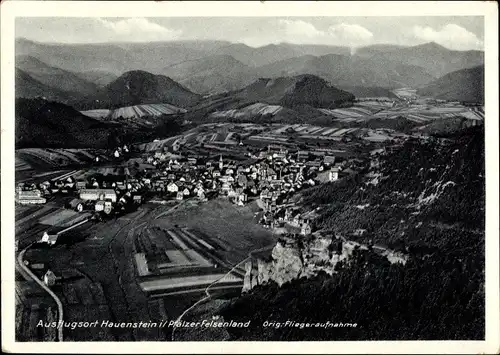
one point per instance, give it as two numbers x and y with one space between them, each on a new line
20 261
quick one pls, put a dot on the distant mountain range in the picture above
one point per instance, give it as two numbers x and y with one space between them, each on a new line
432 57
350 71
213 77
208 67
461 85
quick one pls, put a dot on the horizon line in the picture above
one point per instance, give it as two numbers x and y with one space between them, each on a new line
244 44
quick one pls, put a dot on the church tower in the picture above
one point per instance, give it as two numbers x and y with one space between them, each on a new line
221 163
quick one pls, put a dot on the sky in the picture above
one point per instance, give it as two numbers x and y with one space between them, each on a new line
459 32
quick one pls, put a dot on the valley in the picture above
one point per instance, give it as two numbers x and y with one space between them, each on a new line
210 181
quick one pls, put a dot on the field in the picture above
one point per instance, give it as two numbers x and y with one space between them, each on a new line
232 230
40 164
136 111
361 120
405 93
419 113
248 111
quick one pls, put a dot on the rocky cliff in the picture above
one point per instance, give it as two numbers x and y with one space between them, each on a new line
295 257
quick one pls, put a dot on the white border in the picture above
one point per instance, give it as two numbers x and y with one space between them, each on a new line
12 9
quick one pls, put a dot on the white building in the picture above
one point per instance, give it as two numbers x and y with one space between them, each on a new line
29 197
172 187
49 278
99 206
98 194
333 174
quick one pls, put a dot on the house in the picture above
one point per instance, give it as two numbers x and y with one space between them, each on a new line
333 174
172 187
305 229
80 185
242 180
297 220
99 206
76 204
265 194
313 164
179 196
225 187
28 193
302 155
241 198
137 199
98 194
26 200
51 236
271 174
186 192
329 160
49 278
108 207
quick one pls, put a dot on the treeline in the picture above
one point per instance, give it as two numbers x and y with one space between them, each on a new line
437 298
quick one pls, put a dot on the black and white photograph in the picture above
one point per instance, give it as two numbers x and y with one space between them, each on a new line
236 178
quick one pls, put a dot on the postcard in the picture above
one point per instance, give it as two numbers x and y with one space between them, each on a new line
250 177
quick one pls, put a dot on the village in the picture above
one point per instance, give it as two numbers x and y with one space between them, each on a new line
270 177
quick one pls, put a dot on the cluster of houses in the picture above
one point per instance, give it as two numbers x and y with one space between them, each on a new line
273 176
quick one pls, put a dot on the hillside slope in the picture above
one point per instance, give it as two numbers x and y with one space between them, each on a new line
55 77
462 85
28 87
213 74
41 123
293 91
283 99
140 87
425 199
100 78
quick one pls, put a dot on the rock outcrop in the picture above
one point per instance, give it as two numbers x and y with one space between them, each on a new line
294 257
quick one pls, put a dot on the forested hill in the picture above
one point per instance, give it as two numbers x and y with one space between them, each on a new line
425 198
462 85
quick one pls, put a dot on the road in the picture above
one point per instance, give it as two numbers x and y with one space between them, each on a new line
207 293
20 261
